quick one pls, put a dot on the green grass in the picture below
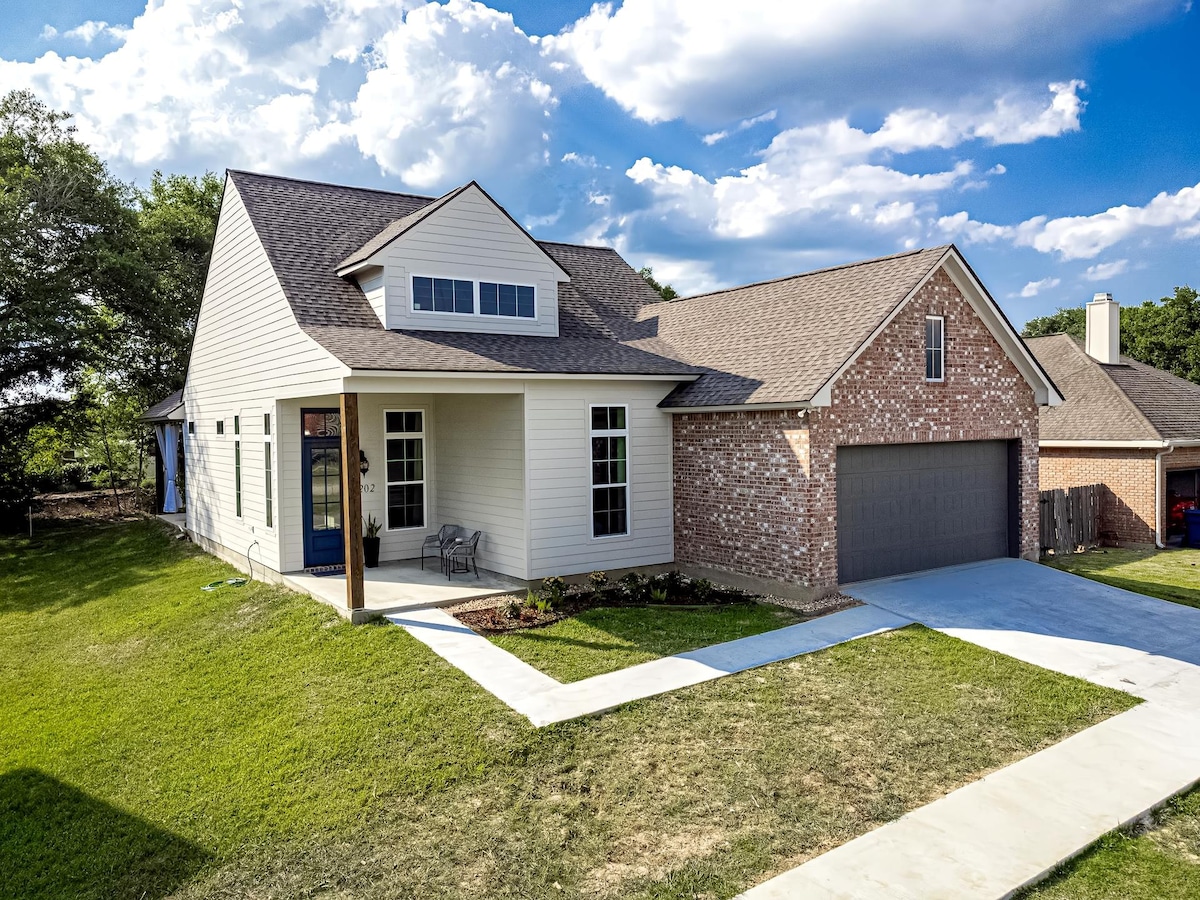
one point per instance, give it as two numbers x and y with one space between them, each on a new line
1168 574
606 639
1162 864
158 741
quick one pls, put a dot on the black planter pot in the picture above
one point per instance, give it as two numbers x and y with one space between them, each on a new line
370 552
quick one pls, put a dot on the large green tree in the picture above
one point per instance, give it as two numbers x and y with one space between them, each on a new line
99 289
1163 333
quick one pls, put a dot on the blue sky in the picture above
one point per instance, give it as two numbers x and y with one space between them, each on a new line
1056 141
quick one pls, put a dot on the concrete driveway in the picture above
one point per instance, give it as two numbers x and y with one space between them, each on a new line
1137 644
1012 827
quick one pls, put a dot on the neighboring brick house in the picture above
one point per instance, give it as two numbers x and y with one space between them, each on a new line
1131 427
859 421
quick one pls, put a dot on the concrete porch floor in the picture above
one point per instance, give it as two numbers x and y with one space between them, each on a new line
403 585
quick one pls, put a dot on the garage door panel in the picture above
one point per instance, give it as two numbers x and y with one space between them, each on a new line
907 507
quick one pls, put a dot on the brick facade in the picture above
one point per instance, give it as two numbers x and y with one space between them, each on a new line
756 492
1127 501
1127 507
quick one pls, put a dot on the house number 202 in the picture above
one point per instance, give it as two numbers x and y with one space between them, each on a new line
368 488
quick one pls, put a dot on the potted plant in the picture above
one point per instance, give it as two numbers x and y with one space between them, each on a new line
371 529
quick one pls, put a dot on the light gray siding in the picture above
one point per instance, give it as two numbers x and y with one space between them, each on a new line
469 238
558 467
480 457
248 350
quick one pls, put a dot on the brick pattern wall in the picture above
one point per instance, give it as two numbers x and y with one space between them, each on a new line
1182 458
757 492
1127 501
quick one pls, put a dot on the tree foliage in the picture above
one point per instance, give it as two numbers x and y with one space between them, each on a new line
664 290
100 286
1164 333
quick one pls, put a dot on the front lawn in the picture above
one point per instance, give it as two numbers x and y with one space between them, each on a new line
1162 864
158 741
610 638
1168 574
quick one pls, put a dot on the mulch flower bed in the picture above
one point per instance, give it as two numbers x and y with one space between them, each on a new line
510 612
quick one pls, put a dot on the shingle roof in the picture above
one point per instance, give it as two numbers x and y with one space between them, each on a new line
310 229
1130 401
780 341
394 229
167 409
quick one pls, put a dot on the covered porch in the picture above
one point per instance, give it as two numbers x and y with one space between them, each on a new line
402 585
421 459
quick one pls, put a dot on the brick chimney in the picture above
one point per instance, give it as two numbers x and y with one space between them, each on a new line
1103 342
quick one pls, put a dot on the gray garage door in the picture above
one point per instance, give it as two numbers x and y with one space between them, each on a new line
907 507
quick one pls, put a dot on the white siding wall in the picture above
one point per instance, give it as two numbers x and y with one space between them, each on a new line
371 282
248 348
558 457
480 456
469 238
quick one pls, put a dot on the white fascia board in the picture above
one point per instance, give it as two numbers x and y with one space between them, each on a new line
1108 445
517 376
736 407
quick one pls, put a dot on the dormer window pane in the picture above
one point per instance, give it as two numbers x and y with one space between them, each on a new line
508 300
514 301
443 295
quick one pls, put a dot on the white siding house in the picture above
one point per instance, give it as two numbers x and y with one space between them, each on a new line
475 401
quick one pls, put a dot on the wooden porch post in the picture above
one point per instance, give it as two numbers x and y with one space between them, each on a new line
352 503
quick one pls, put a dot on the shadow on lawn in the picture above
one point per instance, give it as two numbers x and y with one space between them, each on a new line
1113 569
56 841
68 565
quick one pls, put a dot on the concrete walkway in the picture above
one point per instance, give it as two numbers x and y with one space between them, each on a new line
545 701
1012 827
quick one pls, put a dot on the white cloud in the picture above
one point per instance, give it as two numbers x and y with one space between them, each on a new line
432 93
454 92
835 169
997 169
1033 288
714 137
1104 271
1085 237
664 59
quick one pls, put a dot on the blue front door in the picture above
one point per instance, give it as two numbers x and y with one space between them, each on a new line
321 471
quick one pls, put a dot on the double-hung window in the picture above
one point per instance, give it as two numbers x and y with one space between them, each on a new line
405 439
610 471
935 348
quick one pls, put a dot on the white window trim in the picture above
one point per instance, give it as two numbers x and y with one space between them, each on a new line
424 482
941 350
610 432
475 314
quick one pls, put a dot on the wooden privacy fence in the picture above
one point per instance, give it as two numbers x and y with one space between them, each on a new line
1069 519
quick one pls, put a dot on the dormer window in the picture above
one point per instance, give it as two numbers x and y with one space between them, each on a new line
443 295
451 295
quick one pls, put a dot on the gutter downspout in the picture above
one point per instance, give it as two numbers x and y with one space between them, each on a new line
1159 488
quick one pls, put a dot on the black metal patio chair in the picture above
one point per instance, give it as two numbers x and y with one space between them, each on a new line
460 556
434 543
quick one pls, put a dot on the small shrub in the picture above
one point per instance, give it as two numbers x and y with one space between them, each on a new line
545 604
512 610
597 580
702 589
673 581
658 595
633 587
531 600
555 588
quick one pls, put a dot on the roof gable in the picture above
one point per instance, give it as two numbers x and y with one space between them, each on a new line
795 336
402 226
